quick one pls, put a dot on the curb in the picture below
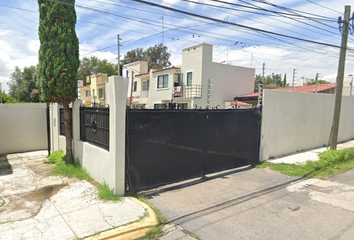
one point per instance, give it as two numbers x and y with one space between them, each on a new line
132 231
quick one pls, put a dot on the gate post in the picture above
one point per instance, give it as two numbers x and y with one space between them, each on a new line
118 89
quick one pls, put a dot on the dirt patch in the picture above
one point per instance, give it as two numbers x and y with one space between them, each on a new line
41 169
26 205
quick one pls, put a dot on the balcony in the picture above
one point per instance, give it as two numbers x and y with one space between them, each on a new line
194 91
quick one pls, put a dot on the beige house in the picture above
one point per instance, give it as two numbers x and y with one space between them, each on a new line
197 83
94 95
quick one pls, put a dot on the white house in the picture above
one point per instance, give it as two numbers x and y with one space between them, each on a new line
198 82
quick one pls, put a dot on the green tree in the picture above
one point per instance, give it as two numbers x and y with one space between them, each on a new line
313 82
93 65
134 55
23 82
270 80
284 81
157 56
59 58
7 99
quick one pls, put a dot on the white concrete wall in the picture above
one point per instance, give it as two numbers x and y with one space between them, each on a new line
294 121
104 166
159 95
23 127
228 81
138 67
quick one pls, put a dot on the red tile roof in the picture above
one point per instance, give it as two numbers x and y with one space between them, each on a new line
240 103
307 88
141 74
159 70
250 95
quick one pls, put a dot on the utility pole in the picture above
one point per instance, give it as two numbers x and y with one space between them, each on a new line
340 76
351 87
263 73
163 14
1 92
316 79
131 90
294 73
119 54
260 90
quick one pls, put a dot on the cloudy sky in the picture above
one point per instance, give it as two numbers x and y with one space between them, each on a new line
283 34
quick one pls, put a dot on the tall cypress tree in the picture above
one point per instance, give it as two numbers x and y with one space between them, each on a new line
59 58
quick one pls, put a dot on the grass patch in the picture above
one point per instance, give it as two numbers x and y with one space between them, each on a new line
71 170
331 162
263 164
155 232
107 194
75 170
2 203
205 178
56 157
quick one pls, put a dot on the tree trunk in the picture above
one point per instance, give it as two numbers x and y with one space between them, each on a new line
68 137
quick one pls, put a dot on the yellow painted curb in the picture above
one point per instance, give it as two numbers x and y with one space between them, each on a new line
132 231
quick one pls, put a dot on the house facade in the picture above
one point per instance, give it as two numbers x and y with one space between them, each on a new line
197 83
95 94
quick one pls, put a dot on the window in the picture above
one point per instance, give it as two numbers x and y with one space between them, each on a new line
135 84
145 86
160 106
182 106
189 78
180 80
162 81
101 92
93 93
88 93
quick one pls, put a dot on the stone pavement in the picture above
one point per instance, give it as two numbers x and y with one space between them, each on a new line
36 205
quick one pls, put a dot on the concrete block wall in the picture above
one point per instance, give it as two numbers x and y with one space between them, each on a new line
293 121
23 128
104 166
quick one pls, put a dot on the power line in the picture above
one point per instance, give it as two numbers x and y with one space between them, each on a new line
237 25
323 6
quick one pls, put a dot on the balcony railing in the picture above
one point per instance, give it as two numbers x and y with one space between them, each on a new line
194 91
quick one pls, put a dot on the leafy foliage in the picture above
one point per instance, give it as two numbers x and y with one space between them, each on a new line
59 58
93 65
157 56
273 79
313 82
8 99
56 157
134 55
58 52
23 82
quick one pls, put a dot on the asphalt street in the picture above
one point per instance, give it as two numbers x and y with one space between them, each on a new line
248 203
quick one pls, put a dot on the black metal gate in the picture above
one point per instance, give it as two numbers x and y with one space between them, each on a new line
165 146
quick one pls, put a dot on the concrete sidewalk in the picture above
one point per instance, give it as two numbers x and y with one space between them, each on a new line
303 157
36 205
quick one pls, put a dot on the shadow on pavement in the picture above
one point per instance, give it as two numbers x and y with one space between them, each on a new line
5 166
224 174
